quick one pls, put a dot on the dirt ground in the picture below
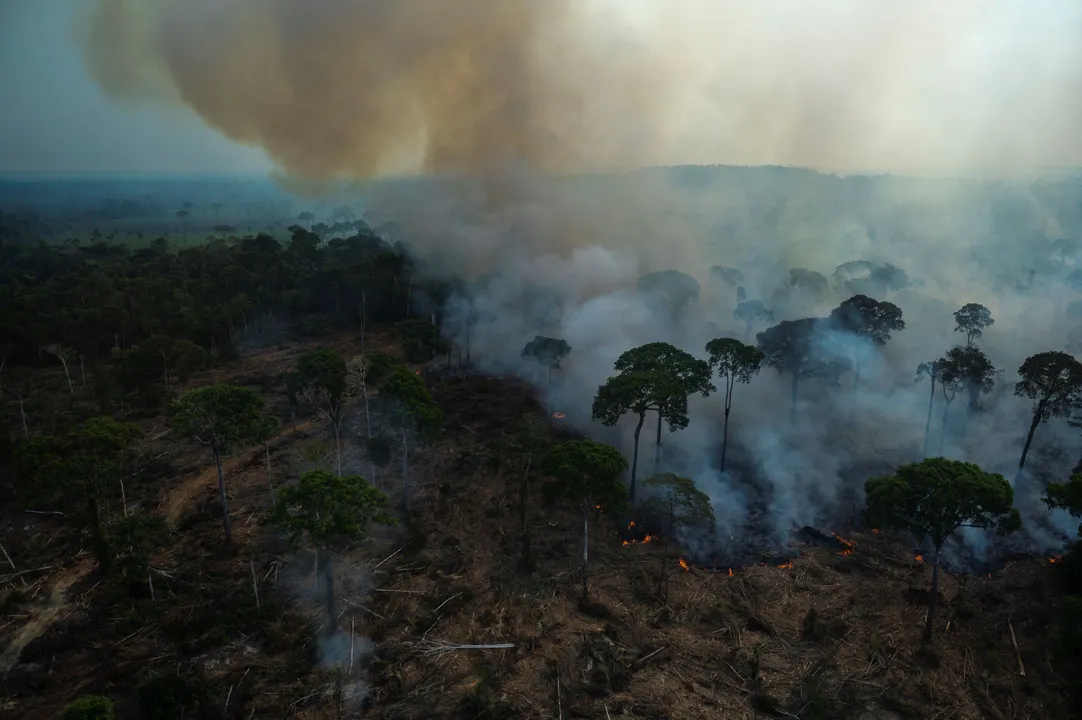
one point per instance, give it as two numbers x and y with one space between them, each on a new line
240 633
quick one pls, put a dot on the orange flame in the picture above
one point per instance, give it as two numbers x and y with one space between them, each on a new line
786 566
1055 559
597 507
847 545
875 531
919 558
684 564
730 572
559 415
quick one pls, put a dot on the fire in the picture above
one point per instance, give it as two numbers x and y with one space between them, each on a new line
684 564
786 566
558 415
1055 559
416 372
875 531
730 572
919 558
847 545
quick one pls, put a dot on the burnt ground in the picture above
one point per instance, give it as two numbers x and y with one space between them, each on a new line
831 633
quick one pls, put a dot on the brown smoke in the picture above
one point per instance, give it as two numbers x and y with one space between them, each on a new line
360 88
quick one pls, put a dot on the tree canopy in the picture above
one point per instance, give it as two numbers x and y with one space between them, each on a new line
872 320
972 319
968 368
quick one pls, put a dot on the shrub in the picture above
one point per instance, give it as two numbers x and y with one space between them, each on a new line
90 707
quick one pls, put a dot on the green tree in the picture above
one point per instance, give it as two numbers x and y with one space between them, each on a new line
90 707
872 321
1066 496
546 352
222 418
415 412
136 537
734 362
968 368
641 392
682 505
322 507
1053 381
320 382
660 357
420 339
932 499
526 446
586 473
88 460
972 319
795 347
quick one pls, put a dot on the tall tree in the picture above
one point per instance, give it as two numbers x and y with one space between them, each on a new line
86 462
1053 381
795 347
320 382
65 355
872 321
323 507
660 357
682 505
735 362
546 352
972 319
933 372
416 413
932 499
222 418
673 289
970 369
752 313
357 381
1067 496
526 447
641 392
586 473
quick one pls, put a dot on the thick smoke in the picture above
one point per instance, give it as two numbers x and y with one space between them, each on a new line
514 103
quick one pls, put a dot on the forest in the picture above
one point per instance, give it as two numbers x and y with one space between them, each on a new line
388 453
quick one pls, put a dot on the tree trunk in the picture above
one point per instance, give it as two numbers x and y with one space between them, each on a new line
336 425
635 457
222 498
928 422
98 543
326 570
82 371
524 528
657 444
367 412
405 474
725 427
71 387
270 475
793 392
585 551
943 427
927 638
1029 438
467 341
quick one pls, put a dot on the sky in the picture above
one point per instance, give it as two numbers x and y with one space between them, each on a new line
331 89
56 120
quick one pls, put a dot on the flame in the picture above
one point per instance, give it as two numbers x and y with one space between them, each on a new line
558 415
730 572
597 507
1055 559
919 558
631 525
626 543
416 372
684 564
847 545
785 566
875 531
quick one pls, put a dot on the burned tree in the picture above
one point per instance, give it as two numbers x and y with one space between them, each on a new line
1053 381
320 382
681 504
752 313
735 362
546 352
794 347
416 413
972 319
586 473
526 446
932 499
659 357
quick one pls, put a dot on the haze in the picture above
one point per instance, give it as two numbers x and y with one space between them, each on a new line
336 89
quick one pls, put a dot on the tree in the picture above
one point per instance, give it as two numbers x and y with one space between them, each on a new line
65 356
640 392
752 313
324 506
1053 381
320 382
932 499
357 374
934 372
421 340
794 347
972 319
682 505
968 368
808 280
674 289
735 362
222 418
1066 496
587 473
90 707
659 357
546 352
872 321
526 446
415 411
89 461
306 217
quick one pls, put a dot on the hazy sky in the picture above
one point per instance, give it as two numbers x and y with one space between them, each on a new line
356 88
55 119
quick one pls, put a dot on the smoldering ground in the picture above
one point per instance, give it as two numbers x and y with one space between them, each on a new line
512 102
